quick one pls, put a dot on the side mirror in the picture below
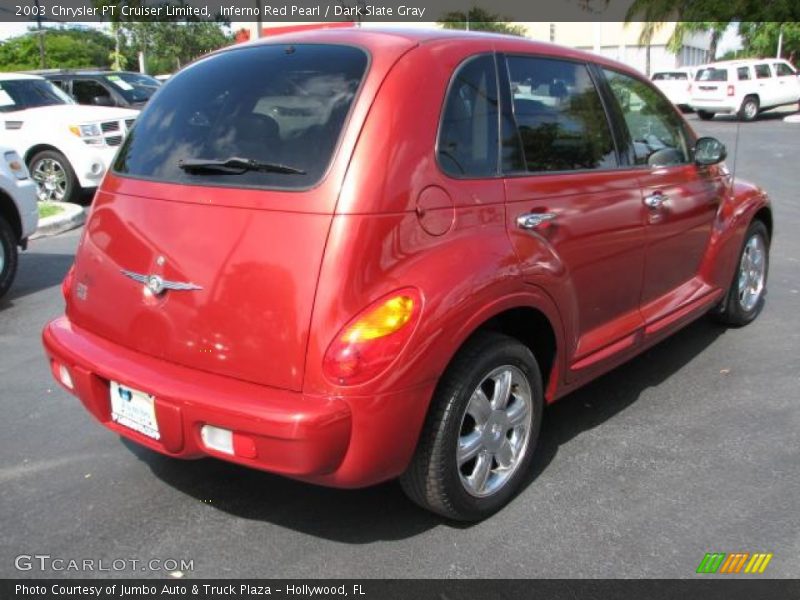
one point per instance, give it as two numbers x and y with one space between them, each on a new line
709 151
102 101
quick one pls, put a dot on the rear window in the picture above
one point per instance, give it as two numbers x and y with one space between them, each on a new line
712 74
278 105
673 76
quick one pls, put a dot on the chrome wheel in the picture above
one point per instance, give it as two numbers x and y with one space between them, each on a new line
752 273
2 258
750 110
51 180
495 431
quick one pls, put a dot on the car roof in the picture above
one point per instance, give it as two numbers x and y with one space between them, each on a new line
741 62
676 70
65 74
13 76
373 38
414 35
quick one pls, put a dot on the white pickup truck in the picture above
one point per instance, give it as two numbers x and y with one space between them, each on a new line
744 88
67 147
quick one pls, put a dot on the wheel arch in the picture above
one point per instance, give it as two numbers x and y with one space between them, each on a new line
764 214
531 327
532 319
9 212
34 150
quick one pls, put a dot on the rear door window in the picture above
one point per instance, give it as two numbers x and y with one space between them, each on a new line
86 90
280 106
468 135
743 73
763 72
559 114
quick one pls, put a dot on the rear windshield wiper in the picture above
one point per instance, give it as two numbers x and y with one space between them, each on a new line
235 165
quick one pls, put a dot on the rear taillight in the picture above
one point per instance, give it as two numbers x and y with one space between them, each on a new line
66 285
731 90
367 345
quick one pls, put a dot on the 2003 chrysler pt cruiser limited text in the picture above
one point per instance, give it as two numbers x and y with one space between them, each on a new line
351 256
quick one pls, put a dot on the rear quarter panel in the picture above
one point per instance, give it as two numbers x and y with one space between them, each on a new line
466 270
377 243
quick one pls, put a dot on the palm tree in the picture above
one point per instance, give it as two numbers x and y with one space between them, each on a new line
715 28
654 13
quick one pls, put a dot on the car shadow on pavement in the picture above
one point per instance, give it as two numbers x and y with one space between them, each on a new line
362 516
37 271
765 116
609 395
382 512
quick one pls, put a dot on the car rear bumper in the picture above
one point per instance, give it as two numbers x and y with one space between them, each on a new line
715 106
285 432
25 198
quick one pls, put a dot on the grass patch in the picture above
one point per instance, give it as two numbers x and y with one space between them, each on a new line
48 209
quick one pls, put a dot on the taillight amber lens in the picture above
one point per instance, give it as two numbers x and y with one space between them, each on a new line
367 345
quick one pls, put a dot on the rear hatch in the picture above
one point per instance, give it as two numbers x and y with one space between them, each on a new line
215 266
710 83
674 84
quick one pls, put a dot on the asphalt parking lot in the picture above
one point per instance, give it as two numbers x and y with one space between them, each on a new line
691 448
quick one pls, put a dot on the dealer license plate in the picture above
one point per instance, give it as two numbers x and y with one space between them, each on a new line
134 409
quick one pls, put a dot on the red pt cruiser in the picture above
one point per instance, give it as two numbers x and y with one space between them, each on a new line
346 257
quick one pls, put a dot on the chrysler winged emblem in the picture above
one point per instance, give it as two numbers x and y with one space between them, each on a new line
157 285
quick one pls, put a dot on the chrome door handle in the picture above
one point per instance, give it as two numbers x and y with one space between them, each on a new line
533 220
655 200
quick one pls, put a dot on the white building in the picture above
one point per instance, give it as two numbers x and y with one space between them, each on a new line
611 39
621 42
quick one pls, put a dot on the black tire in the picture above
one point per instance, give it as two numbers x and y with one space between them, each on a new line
434 478
71 188
9 256
749 109
705 115
731 310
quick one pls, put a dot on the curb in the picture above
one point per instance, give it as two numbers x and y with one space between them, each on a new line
792 119
71 217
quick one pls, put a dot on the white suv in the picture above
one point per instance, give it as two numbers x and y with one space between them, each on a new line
67 147
744 87
18 213
676 85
